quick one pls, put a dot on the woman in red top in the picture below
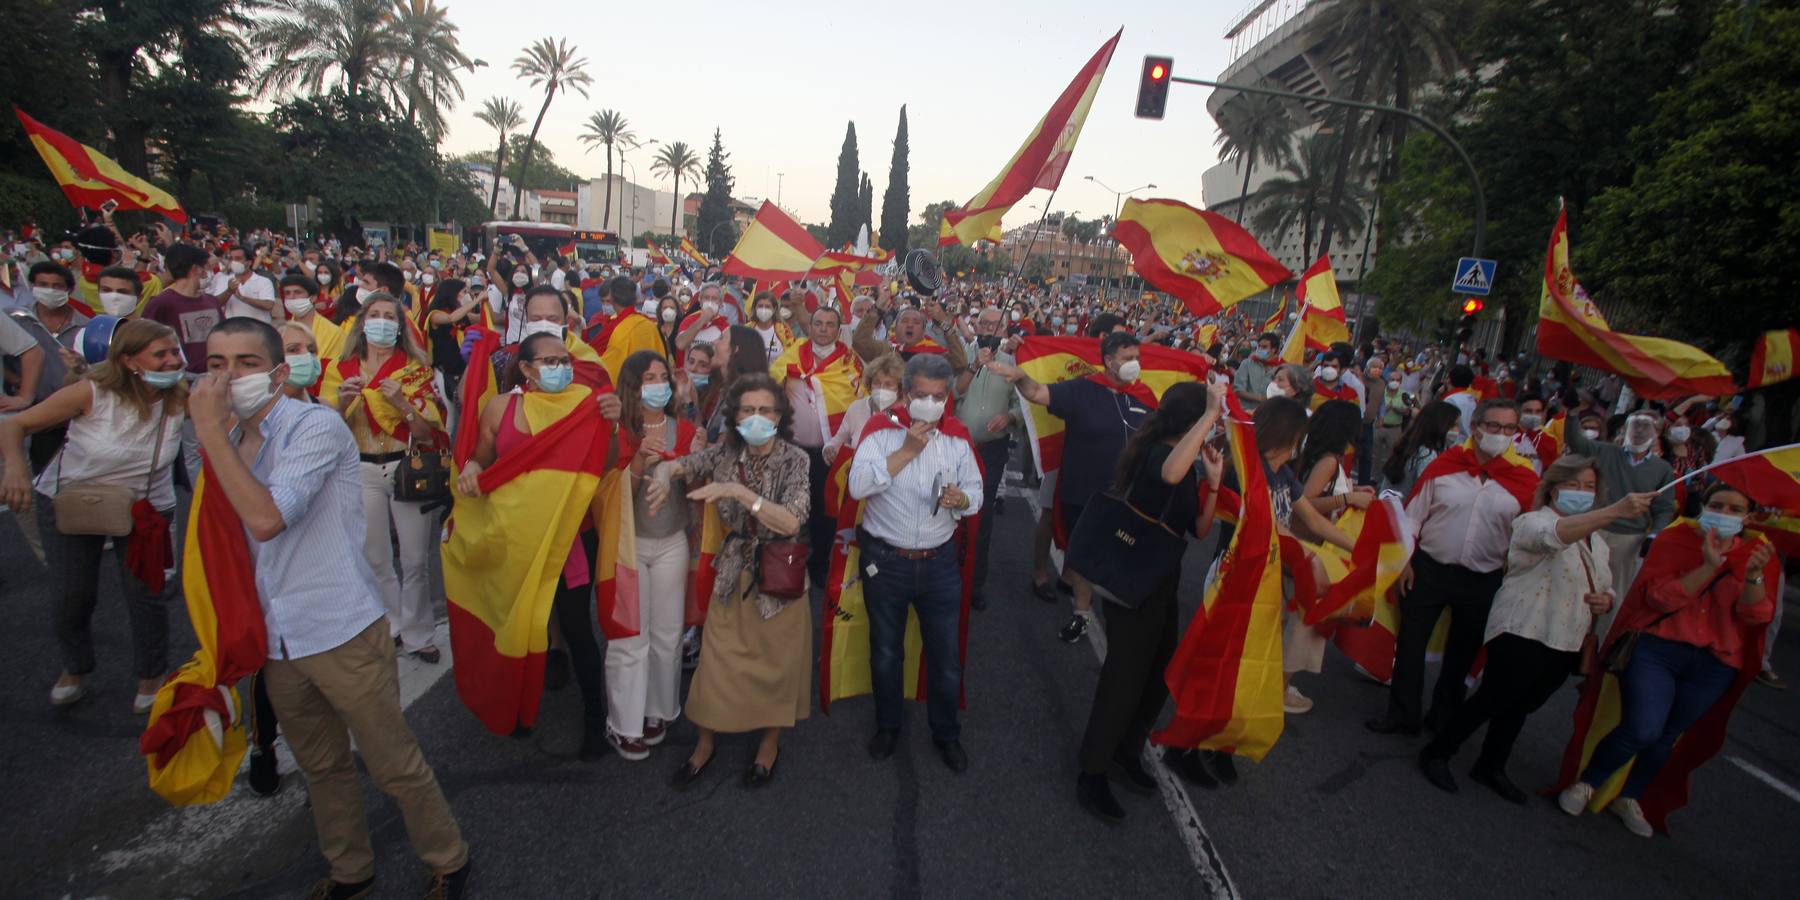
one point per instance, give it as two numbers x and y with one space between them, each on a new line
1699 607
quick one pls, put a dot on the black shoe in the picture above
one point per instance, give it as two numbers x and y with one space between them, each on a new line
758 776
954 757
1133 775
556 670
265 778
1000 505
1043 591
1391 725
1096 797
450 886
881 746
337 890
978 602
1191 768
1075 630
1223 766
1434 722
594 744
685 776
1437 771
1494 779
521 732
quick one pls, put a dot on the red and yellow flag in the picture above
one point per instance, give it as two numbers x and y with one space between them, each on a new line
1039 163
1770 477
1049 360
218 579
657 257
1571 328
1321 321
1360 578
1207 260
505 551
832 382
89 178
414 378
625 333
1225 677
694 253
1774 357
773 247
1280 315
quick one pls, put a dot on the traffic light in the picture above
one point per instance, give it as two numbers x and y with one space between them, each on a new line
1465 329
1153 87
1471 305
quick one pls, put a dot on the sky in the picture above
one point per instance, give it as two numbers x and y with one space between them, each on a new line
781 79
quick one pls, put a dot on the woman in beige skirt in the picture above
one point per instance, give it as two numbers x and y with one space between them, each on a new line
755 664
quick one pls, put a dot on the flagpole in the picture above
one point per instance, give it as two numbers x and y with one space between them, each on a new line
1731 461
1019 270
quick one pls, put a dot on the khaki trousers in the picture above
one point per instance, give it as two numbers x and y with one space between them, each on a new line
353 690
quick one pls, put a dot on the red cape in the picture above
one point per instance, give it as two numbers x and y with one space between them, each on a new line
1510 469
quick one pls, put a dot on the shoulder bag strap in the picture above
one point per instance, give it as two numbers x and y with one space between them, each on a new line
155 455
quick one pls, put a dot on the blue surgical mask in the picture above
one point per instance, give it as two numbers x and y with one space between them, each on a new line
700 380
555 379
161 380
381 332
303 370
656 396
1262 353
756 430
1726 524
1571 502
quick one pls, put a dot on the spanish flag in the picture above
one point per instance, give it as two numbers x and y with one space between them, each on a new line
657 257
414 378
1049 360
1675 552
1770 477
1225 677
218 579
1773 358
1207 260
1037 164
1274 320
1321 321
624 333
706 540
505 551
773 247
1361 578
1778 528
89 178
694 253
1571 328
832 383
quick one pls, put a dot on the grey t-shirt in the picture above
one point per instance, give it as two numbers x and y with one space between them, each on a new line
672 518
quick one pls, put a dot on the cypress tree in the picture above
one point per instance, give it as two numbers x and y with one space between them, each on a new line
715 232
898 197
846 202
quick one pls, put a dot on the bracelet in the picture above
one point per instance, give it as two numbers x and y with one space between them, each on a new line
1753 581
757 506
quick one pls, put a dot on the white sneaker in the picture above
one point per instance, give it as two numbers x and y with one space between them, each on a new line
1575 798
65 694
1295 702
1632 814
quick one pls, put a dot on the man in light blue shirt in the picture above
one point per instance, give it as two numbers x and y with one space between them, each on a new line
290 471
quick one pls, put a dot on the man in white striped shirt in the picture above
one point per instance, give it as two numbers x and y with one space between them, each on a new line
290 471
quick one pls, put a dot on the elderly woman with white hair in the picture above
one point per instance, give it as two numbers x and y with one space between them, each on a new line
1632 468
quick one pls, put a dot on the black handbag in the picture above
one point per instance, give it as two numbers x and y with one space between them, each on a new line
1123 552
423 476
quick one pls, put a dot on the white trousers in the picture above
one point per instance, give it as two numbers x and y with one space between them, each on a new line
1622 559
408 606
643 673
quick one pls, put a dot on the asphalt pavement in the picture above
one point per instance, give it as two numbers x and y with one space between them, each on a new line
1333 811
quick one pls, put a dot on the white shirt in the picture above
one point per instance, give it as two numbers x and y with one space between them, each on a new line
257 287
1462 520
903 510
116 444
1545 580
1465 406
850 428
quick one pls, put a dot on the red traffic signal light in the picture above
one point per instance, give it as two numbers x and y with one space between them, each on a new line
1153 86
1471 305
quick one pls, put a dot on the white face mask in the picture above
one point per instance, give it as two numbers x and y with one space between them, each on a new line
786 314
520 279
883 397
1680 434
324 278
1129 371
427 278
541 326
297 307
1329 373
1591 434
114 303
1493 444
49 297
1275 390
764 314
925 409
710 307
249 393
1530 421
237 268
668 315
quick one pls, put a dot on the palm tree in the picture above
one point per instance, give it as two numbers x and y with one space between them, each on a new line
1253 127
311 44
504 116
608 127
432 56
1301 194
552 64
676 160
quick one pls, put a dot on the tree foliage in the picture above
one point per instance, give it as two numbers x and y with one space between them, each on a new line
898 197
360 158
715 231
846 199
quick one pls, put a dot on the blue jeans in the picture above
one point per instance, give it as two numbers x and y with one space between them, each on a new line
1666 688
933 587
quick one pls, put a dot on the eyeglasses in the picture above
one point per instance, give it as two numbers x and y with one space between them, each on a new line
552 361
1497 428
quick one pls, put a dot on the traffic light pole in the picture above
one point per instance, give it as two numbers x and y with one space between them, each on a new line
1474 177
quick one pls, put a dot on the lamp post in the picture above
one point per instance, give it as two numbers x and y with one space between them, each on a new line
778 177
1118 201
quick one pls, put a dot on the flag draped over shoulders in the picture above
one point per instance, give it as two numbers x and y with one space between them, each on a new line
833 382
414 378
1511 469
195 738
628 332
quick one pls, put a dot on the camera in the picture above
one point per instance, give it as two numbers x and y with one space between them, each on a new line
987 342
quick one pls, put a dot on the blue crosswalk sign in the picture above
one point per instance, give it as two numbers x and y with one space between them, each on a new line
1473 276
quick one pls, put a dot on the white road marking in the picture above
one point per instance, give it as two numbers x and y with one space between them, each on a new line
1764 777
1201 851
187 838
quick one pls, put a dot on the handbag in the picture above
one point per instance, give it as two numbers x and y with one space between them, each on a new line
780 567
424 475
87 507
1121 551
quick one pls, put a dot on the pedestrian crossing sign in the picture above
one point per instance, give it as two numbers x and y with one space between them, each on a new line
1473 276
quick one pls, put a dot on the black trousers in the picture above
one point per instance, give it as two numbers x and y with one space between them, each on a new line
821 528
1139 644
1520 676
574 611
993 456
263 724
1437 586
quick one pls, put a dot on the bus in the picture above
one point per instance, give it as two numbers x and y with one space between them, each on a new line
547 239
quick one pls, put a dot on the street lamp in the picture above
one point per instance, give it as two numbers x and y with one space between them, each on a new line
1118 200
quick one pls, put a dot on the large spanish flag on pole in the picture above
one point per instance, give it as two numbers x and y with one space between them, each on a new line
1039 163
1321 321
1225 677
694 253
1770 477
774 247
1203 258
1571 328
89 178
657 256
1773 358
505 551
195 739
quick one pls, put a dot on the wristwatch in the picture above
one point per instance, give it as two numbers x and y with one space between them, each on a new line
1756 580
